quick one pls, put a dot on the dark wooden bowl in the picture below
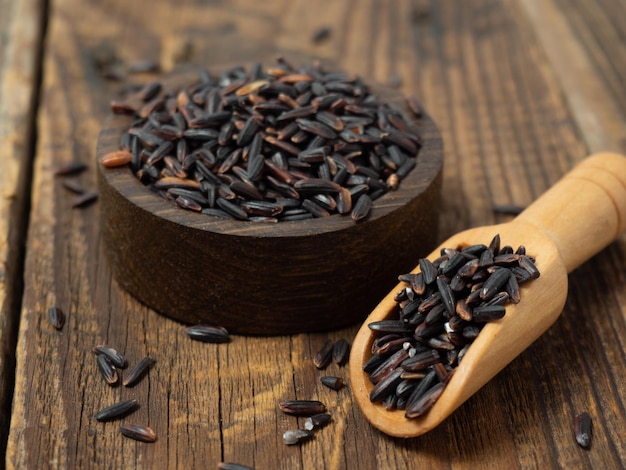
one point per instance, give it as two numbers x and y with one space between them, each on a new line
266 279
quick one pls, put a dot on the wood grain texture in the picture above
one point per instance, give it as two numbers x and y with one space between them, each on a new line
576 41
20 45
483 72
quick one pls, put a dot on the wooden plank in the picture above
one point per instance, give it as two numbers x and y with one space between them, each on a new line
20 37
585 49
482 73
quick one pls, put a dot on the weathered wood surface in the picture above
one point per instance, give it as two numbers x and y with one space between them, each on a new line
20 45
513 119
579 42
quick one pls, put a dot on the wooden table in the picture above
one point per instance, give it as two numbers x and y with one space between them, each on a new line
521 91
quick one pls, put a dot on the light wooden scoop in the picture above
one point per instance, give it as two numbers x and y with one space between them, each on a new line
580 215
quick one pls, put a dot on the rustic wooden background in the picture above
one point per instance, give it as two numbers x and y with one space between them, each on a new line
521 91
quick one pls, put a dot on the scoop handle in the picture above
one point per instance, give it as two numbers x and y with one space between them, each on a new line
585 211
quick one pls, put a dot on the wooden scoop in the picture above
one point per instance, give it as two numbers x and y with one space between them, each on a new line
580 215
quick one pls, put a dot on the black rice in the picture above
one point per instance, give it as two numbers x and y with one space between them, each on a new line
336 383
341 351
582 429
138 432
56 317
329 128
322 358
107 369
116 410
116 358
317 421
441 310
138 371
233 466
302 407
208 333
297 436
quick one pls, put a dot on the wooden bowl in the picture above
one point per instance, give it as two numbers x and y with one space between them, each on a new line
266 279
